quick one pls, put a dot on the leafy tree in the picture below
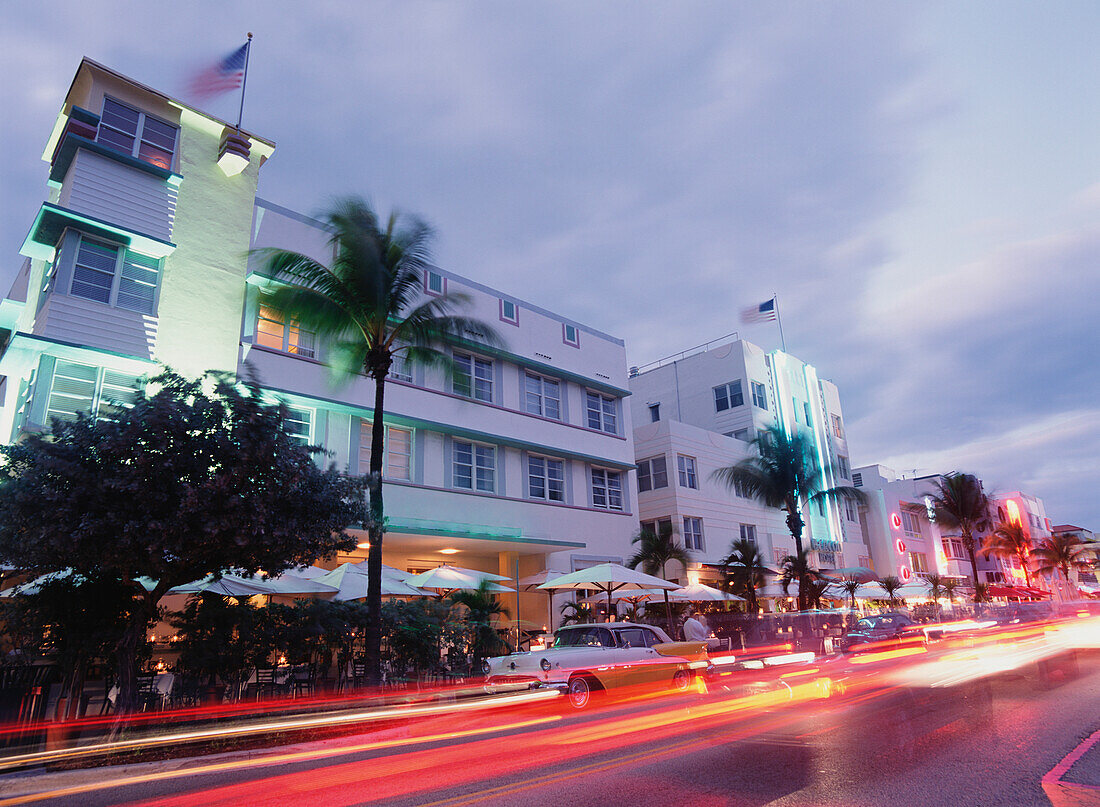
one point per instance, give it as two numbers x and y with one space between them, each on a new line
935 588
891 584
950 586
196 477
368 308
480 607
577 613
743 570
655 551
1061 553
981 592
784 473
1008 540
961 503
223 638
417 632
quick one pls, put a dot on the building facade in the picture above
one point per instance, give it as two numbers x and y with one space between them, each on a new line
140 257
698 412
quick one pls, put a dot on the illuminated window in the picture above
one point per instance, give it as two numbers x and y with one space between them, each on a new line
728 396
686 467
601 413
272 332
397 462
137 133
759 395
546 478
473 377
838 426
474 467
652 474
542 396
693 533
607 489
918 562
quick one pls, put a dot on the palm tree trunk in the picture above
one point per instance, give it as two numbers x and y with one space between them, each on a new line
373 649
1023 564
795 524
968 542
668 607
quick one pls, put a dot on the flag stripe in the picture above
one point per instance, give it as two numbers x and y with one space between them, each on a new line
224 75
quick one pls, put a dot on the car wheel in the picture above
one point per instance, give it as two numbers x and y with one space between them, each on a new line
579 692
681 680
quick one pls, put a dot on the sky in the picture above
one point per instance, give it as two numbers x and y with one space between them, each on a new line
918 183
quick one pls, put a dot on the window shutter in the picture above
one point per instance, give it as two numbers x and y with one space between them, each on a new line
138 285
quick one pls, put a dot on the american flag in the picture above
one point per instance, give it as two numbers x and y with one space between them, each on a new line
765 312
224 75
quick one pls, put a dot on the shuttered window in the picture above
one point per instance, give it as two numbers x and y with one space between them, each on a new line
94 273
299 424
109 274
84 388
137 133
137 286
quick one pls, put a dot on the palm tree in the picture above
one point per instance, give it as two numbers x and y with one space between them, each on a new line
367 306
850 586
796 568
890 585
655 551
981 592
950 585
1008 540
961 503
1061 553
481 607
785 474
578 614
744 570
935 588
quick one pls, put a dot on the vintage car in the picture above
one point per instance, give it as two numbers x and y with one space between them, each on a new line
588 658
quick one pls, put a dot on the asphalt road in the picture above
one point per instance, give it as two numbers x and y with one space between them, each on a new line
989 748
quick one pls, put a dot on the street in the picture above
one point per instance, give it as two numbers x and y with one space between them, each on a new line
943 751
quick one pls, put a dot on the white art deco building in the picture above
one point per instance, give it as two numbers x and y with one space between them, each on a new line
138 257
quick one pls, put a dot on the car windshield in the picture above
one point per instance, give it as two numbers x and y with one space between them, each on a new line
584 637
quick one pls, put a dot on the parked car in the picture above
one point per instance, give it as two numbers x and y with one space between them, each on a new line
588 658
881 628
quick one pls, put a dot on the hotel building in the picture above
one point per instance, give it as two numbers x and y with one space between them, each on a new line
140 257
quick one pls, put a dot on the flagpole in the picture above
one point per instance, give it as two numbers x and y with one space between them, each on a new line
779 319
244 79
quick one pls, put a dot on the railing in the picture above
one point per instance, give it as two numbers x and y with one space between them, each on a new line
683 354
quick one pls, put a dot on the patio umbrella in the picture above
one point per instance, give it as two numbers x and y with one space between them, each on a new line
452 578
351 584
697 592
289 584
774 591
33 586
608 578
309 572
387 571
535 580
228 586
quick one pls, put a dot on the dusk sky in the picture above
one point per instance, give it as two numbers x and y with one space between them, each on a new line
920 184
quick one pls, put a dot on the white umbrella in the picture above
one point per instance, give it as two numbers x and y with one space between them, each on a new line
449 578
33 586
309 572
228 586
350 584
608 578
387 571
697 592
287 583
774 591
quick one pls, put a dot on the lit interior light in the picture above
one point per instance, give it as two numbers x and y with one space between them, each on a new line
363 545
448 551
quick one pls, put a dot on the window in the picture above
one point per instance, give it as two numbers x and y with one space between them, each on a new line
509 312
570 335
397 461
686 467
995 577
652 474
843 466
838 426
474 467
953 548
299 424
121 125
659 526
273 332
795 409
546 478
779 555
740 490
918 562
809 413
400 369
110 274
850 509
743 435
820 506
542 396
748 532
910 522
693 533
654 412
607 489
759 395
866 563
434 283
83 388
857 479
473 377
601 413
728 396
